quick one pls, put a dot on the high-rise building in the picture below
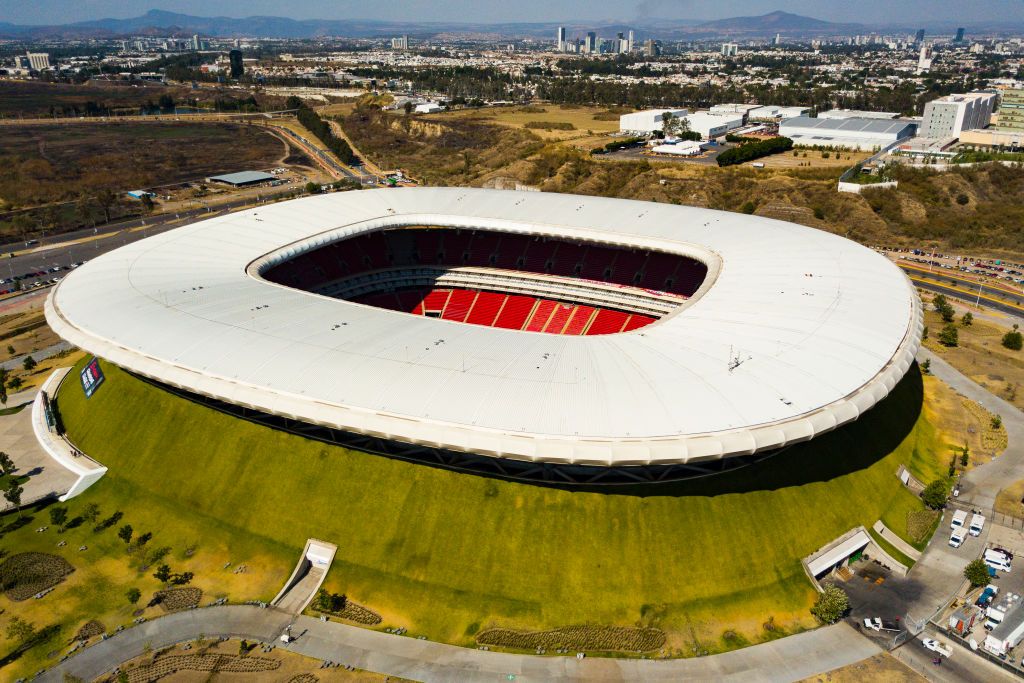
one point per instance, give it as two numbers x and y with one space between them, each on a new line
778 39
924 59
730 49
37 61
1011 111
196 43
919 38
235 59
947 116
651 48
590 47
560 39
632 41
400 43
959 36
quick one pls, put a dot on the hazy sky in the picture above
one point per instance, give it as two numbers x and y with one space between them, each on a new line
860 11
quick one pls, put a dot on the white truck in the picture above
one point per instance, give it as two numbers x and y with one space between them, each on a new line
937 647
956 539
959 520
997 561
977 524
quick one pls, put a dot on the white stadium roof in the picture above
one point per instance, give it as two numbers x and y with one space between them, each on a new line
822 329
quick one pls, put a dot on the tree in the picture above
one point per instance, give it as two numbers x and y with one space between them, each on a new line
1013 339
15 383
408 107
965 456
13 494
162 573
20 630
133 595
949 335
143 539
312 188
831 605
91 512
976 572
10 350
926 366
29 363
58 516
997 421
182 578
125 533
943 307
147 203
967 319
6 464
4 376
935 494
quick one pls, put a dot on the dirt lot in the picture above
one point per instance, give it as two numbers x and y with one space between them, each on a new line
590 126
807 158
882 668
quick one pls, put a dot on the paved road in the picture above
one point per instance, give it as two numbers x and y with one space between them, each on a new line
1003 306
787 659
41 354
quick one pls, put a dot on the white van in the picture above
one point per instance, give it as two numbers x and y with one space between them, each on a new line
959 519
977 524
998 564
956 539
997 555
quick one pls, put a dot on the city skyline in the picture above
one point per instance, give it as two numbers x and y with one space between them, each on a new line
869 12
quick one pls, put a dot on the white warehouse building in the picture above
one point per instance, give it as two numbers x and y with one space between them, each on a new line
849 133
947 116
648 120
711 125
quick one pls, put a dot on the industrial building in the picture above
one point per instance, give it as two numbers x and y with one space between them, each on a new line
947 116
856 114
846 133
242 178
648 120
711 125
773 112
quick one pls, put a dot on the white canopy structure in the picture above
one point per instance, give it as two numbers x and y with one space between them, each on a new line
793 333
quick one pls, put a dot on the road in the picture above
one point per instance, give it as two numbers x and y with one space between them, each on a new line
954 284
793 658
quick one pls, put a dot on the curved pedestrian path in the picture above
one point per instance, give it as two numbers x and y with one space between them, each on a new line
787 659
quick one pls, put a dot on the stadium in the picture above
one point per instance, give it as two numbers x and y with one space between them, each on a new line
529 335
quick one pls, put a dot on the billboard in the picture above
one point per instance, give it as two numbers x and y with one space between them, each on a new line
92 377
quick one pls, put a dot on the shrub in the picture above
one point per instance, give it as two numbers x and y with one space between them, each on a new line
949 336
962 199
754 150
831 605
1013 339
748 207
550 125
967 319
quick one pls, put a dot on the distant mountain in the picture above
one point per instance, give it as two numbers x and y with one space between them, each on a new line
775 22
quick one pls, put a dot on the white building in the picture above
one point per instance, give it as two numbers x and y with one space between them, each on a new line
711 125
38 61
197 45
947 116
648 120
428 108
560 39
686 148
1008 633
847 133
730 49
857 114
773 112
732 108
400 43
924 60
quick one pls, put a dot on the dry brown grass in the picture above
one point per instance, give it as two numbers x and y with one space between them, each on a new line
880 668
813 159
981 356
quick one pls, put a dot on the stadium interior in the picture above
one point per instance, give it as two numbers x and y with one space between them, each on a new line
511 281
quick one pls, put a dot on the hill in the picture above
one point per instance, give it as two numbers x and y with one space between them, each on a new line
775 22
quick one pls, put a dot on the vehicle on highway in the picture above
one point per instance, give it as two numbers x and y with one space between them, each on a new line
937 647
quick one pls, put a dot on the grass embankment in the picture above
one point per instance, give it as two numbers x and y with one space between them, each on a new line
447 554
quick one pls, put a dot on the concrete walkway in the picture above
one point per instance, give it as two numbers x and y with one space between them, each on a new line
46 477
787 659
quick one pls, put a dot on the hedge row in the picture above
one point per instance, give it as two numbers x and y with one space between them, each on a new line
320 128
754 150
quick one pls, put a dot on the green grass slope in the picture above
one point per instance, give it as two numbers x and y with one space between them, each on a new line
446 554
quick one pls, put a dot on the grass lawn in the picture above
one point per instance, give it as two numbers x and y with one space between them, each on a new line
447 554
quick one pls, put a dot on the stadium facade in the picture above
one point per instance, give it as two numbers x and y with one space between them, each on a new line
516 328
